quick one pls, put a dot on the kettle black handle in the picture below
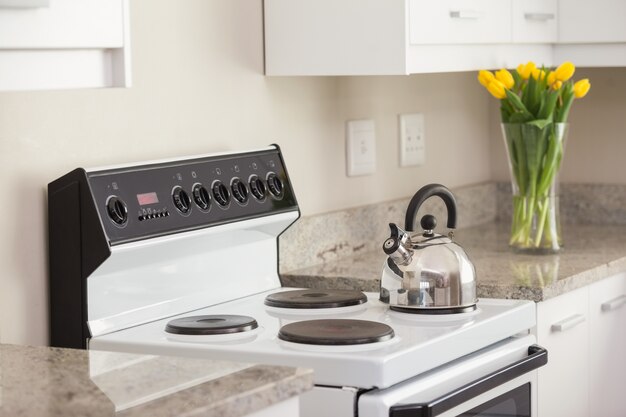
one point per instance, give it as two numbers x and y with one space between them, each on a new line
422 195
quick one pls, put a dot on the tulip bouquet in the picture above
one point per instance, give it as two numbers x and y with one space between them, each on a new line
534 106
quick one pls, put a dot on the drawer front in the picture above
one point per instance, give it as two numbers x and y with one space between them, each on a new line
563 329
459 22
64 24
534 21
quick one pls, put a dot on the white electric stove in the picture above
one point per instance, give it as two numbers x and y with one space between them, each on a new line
180 257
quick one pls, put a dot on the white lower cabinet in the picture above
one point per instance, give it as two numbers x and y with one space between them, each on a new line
563 329
585 333
607 353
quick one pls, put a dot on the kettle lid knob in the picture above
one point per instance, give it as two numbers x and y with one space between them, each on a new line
428 223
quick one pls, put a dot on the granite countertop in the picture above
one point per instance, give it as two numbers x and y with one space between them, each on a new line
43 381
590 253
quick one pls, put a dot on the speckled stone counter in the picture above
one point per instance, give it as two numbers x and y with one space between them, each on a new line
590 253
41 381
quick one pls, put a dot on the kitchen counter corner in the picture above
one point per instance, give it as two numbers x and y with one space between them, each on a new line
45 381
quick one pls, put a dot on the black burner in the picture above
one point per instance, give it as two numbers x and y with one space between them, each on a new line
335 332
315 298
211 325
435 310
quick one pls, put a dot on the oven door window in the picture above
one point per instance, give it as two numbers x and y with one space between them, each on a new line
514 403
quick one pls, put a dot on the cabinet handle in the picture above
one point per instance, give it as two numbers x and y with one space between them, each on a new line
23 4
568 323
464 14
614 304
540 17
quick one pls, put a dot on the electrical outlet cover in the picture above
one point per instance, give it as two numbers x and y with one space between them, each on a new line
412 140
360 147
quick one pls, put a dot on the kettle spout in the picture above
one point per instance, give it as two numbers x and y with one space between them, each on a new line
398 246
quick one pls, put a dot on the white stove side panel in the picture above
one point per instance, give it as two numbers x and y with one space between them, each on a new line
170 275
328 401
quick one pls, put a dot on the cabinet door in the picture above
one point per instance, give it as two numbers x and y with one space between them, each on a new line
563 328
330 37
534 21
459 22
581 21
64 24
64 44
607 338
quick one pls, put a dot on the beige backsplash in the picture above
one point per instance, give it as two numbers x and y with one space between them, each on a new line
326 237
329 236
579 203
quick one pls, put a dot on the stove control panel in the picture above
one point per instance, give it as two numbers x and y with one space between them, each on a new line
144 201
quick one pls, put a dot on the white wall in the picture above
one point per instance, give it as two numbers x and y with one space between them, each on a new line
199 87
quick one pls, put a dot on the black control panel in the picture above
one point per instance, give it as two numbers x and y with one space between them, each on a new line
157 199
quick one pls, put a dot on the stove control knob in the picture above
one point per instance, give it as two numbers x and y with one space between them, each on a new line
240 191
257 187
201 196
220 193
275 185
181 200
116 208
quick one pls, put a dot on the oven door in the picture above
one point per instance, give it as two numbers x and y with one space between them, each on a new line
500 380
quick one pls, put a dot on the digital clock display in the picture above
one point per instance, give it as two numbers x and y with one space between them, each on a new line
147 198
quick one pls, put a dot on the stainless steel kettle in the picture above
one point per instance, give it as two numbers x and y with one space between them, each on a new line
427 272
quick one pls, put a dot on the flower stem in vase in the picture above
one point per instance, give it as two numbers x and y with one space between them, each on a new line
535 152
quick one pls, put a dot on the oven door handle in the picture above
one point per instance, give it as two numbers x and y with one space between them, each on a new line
537 357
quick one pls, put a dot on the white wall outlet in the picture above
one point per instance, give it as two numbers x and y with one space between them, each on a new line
360 147
412 140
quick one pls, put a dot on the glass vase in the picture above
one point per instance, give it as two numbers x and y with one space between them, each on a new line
535 151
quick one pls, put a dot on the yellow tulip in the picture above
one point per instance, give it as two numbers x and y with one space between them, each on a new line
538 74
497 89
551 78
526 70
565 71
485 77
581 88
505 78
557 84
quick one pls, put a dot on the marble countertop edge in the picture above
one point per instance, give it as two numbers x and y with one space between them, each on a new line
248 398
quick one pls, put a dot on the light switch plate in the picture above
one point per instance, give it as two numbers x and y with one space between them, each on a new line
360 147
412 140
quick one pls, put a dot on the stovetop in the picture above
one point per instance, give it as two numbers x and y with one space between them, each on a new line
420 342
135 247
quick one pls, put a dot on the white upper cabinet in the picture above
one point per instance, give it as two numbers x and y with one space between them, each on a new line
383 37
58 44
386 37
592 33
